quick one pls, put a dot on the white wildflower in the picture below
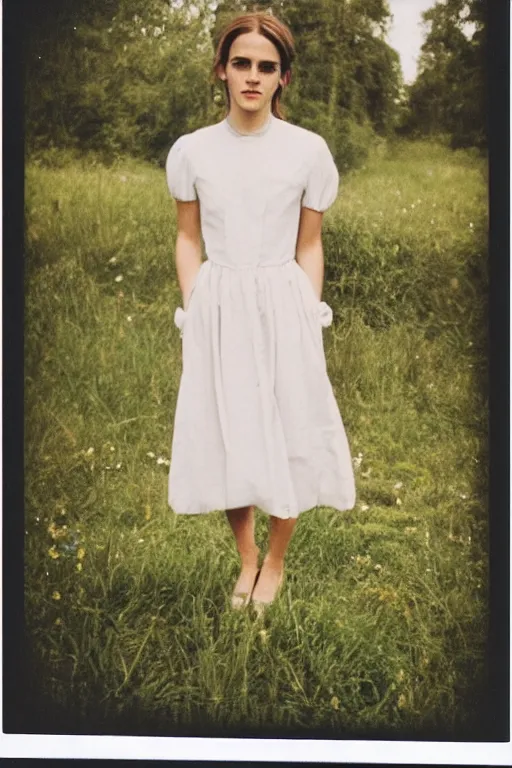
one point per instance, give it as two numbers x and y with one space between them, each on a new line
118 278
398 485
113 260
150 454
399 502
356 460
364 507
89 451
129 318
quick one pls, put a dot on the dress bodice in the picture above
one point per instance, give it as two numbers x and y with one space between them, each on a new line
251 187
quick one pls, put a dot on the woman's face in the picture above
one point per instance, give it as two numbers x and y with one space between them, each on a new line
252 73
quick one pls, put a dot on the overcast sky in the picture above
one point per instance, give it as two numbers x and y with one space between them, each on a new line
406 34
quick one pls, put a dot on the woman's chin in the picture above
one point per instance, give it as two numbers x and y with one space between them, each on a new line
250 105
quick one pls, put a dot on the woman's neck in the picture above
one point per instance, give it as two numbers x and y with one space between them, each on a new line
248 122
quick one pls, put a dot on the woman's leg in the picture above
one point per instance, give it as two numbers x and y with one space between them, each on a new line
241 521
273 565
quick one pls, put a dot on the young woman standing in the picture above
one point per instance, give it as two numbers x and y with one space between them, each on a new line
256 420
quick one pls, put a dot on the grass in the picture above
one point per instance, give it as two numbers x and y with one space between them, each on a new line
381 626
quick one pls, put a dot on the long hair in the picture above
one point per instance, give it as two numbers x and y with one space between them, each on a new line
274 30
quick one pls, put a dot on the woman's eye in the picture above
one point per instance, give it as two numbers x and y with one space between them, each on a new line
265 69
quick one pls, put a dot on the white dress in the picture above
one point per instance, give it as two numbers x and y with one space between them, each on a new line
256 420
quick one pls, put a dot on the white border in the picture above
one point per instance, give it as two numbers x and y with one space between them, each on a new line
250 750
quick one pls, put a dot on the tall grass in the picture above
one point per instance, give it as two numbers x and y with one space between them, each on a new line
382 620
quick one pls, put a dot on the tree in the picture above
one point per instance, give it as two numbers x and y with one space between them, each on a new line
115 76
449 94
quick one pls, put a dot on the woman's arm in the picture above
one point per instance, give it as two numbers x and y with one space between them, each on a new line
309 251
188 246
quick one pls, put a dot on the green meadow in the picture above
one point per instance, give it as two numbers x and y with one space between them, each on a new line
381 624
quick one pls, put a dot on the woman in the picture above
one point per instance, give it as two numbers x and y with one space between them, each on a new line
256 421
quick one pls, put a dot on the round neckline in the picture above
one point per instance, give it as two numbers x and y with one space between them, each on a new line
260 132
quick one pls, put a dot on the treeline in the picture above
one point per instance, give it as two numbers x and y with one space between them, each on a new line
122 77
449 94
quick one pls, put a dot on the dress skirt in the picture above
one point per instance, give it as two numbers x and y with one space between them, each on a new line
256 419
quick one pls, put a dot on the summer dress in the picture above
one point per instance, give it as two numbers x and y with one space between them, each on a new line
256 420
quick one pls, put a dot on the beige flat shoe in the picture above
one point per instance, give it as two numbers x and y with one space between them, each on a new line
240 600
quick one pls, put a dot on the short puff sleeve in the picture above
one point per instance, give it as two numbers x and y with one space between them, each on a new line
179 171
323 180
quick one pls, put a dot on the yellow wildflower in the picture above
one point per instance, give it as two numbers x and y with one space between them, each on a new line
81 553
56 596
335 702
58 622
79 567
387 595
402 701
53 552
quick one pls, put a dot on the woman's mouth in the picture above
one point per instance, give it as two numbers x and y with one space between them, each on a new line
251 94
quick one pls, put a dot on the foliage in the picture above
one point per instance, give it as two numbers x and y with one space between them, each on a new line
449 95
119 77
128 82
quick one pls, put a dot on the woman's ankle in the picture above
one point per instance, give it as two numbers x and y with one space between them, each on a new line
249 557
274 562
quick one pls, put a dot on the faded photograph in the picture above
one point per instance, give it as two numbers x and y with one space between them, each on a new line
256 398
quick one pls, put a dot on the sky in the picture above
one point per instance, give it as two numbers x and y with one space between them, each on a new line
406 35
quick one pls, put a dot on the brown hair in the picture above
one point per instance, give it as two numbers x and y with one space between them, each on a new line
274 30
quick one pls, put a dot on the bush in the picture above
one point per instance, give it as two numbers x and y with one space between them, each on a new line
350 141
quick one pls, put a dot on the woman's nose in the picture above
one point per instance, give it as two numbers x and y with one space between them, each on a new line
254 74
